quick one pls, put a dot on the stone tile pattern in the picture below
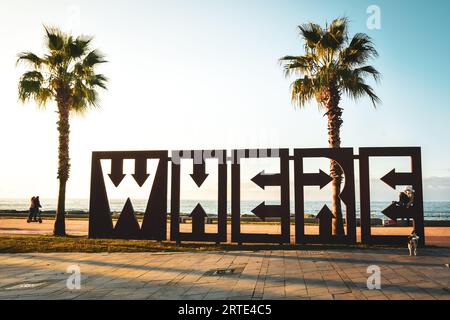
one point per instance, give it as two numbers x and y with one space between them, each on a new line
266 275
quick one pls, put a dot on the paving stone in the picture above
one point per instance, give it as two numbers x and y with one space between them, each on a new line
322 297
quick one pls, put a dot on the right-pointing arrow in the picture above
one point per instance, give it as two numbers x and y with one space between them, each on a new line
116 174
316 179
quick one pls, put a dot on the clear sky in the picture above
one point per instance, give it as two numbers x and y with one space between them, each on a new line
204 74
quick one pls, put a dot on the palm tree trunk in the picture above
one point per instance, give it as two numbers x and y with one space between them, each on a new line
63 164
60 222
334 113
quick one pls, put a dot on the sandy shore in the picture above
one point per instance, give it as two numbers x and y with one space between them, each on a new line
439 236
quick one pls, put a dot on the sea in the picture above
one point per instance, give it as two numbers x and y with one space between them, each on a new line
434 210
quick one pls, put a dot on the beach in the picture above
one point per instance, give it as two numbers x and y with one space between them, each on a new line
433 210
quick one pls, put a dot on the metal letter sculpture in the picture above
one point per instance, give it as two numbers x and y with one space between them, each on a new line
344 157
262 211
392 179
198 214
154 225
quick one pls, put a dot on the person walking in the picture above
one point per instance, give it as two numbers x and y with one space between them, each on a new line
35 213
32 209
37 210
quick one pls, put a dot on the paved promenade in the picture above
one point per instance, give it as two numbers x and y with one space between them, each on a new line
257 275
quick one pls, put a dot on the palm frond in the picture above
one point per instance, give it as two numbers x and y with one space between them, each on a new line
93 58
56 59
33 75
335 36
359 51
32 89
311 33
83 98
301 65
79 47
55 38
355 87
370 71
29 58
98 80
339 29
303 91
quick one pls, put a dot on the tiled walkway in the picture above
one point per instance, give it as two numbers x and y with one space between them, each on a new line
258 275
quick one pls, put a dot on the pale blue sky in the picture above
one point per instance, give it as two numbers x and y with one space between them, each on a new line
204 74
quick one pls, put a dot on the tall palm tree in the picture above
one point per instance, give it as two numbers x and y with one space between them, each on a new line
66 75
332 65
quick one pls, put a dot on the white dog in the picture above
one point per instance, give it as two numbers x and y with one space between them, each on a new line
412 243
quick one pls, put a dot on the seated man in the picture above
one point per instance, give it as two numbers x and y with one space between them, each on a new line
406 198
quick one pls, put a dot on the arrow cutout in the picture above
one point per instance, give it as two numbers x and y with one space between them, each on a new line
264 211
320 179
264 180
116 174
140 171
199 173
395 212
394 179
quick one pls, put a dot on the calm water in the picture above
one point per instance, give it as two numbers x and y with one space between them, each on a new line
433 210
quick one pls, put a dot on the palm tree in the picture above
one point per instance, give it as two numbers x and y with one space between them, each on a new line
66 75
331 66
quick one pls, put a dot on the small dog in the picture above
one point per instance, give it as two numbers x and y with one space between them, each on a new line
412 243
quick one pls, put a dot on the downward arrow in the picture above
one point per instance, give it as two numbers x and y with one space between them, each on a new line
394 179
263 211
316 179
263 180
140 171
199 175
116 174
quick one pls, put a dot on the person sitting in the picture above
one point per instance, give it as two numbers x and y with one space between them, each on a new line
406 198
410 193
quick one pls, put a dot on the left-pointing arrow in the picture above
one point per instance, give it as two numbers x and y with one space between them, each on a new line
116 174
140 171
394 179
395 212
264 211
263 180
